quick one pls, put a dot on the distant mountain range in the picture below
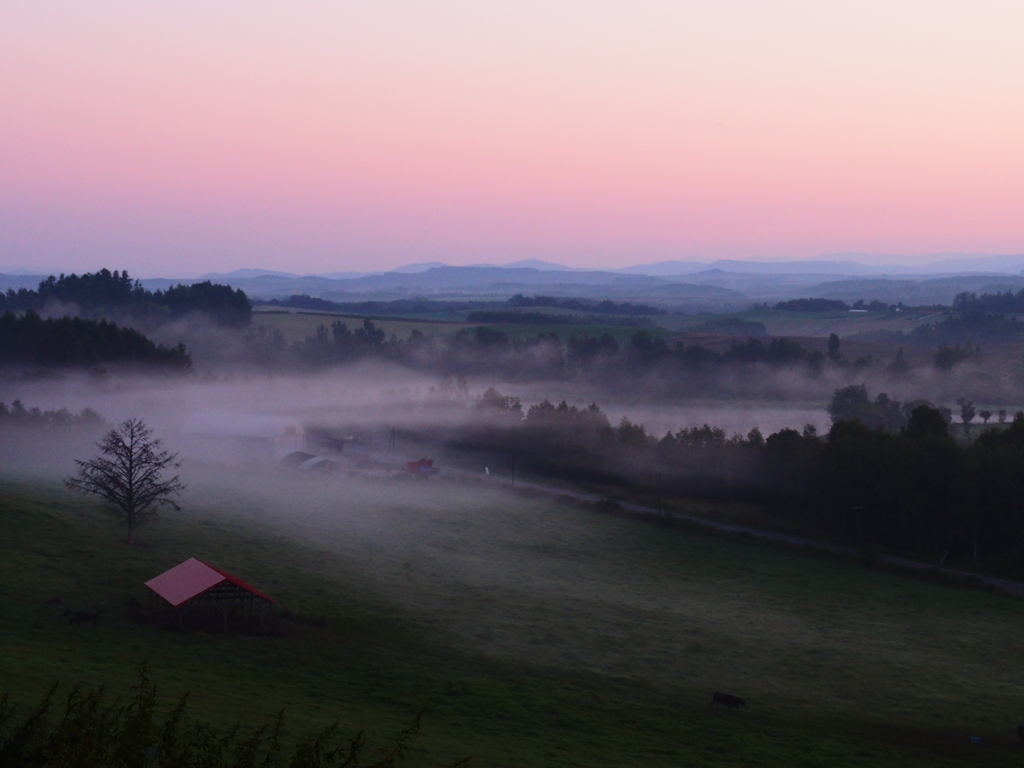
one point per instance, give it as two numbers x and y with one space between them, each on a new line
839 264
722 285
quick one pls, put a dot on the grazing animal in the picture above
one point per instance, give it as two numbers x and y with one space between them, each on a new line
54 601
728 700
1020 733
81 617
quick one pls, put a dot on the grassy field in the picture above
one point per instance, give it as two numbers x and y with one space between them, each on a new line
621 333
540 633
297 325
778 323
807 326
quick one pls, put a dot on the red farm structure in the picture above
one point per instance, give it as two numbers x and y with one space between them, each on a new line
421 467
195 585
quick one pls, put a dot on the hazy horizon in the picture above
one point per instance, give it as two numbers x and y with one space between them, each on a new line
874 263
716 458
314 138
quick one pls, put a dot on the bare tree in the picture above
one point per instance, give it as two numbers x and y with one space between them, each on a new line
127 474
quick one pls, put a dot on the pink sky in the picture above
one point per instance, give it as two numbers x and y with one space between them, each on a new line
185 137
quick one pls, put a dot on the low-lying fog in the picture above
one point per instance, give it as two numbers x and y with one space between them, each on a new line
512 575
506 574
531 579
373 395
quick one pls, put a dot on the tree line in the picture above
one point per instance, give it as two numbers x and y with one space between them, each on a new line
77 342
114 295
887 475
966 331
394 307
69 342
17 415
604 307
990 302
972 327
485 349
971 319
838 305
812 305
519 317
431 306
676 365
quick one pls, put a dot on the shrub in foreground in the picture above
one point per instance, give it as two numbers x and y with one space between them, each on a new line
90 731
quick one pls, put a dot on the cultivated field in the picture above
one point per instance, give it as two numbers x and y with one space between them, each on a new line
539 632
296 325
779 323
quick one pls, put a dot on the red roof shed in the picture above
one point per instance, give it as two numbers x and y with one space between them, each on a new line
195 579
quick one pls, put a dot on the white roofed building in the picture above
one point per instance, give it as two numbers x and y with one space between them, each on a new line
238 437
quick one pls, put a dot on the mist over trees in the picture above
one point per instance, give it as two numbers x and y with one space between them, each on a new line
17 415
76 342
887 475
479 349
101 317
852 403
947 357
114 295
869 481
665 364
426 306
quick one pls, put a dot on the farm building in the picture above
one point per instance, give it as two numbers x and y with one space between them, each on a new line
195 585
423 467
235 437
310 462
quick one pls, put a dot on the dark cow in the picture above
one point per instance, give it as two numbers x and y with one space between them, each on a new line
54 601
727 700
1020 733
81 617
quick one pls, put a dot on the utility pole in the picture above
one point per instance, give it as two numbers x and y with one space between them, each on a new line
513 467
659 493
391 448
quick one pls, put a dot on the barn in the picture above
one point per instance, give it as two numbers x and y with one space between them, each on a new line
241 438
197 586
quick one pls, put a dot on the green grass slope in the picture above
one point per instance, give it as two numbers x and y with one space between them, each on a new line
539 634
